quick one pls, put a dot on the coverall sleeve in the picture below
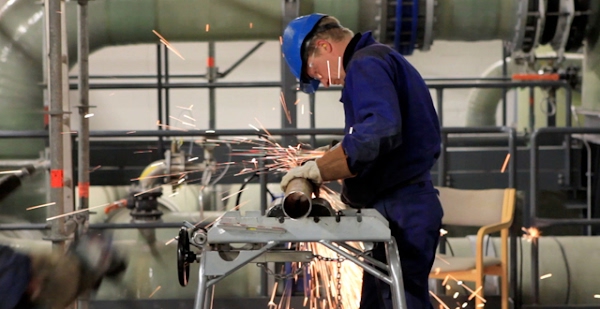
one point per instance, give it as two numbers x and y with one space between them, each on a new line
14 276
370 85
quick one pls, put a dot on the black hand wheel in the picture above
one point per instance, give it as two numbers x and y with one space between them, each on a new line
184 256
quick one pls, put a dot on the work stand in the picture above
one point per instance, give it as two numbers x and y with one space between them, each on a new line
263 235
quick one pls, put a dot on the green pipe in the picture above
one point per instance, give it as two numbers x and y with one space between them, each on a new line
475 20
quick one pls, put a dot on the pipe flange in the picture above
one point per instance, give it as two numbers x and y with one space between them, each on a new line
428 21
405 28
566 13
520 27
578 29
536 16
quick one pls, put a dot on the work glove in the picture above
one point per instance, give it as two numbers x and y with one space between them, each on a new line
331 166
58 279
309 170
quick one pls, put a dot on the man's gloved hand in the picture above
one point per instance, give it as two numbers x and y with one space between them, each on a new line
57 279
309 171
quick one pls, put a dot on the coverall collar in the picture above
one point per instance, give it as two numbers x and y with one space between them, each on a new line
358 41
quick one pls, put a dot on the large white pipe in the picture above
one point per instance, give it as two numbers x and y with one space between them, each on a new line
482 103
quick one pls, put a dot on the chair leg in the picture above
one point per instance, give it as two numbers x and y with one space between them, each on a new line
397 288
504 287
479 288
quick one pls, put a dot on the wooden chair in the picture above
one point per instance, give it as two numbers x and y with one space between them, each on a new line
492 210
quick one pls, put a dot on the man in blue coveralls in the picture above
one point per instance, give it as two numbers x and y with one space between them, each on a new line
392 141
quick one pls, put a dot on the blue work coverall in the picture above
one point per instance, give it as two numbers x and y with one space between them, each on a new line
14 278
392 141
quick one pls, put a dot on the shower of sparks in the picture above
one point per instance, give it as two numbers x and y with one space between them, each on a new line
285 109
262 127
78 211
233 194
190 118
142 151
439 300
167 44
170 127
40 206
302 107
596 295
88 115
531 234
441 259
207 27
253 127
130 132
155 290
545 276
339 66
251 25
69 132
192 159
443 232
186 108
505 164
10 172
97 167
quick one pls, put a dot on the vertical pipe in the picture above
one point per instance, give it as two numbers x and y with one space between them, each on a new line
439 92
529 218
504 75
531 109
263 180
514 229
159 87
313 112
167 90
442 161
212 77
290 10
83 144
550 105
569 118
54 16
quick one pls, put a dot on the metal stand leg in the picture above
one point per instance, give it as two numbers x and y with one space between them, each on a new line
208 300
397 288
202 283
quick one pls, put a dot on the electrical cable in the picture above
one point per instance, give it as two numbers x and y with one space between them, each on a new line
567 268
246 181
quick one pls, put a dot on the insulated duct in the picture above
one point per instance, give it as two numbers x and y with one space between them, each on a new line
119 22
482 103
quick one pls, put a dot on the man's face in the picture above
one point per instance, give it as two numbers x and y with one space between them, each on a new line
325 65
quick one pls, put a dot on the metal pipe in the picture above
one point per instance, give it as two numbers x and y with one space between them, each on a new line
440 105
312 117
297 201
505 54
167 91
159 88
244 57
53 9
106 86
231 132
83 142
368 268
211 72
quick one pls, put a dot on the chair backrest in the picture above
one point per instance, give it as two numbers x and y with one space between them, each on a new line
476 207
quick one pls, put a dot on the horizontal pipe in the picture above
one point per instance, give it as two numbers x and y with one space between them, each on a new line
544 222
181 85
97 226
297 200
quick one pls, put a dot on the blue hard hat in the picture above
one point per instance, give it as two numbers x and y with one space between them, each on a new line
293 40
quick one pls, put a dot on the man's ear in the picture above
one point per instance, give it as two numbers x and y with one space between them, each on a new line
324 46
